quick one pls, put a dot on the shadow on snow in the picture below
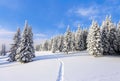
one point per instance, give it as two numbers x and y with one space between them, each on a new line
53 56
44 57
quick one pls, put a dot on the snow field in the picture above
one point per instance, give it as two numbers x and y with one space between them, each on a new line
78 66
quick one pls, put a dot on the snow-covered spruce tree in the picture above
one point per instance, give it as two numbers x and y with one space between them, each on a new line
73 42
49 45
112 40
67 40
105 28
94 40
37 47
60 43
118 37
40 47
85 33
55 45
31 45
50 42
15 45
45 45
79 42
25 52
3 50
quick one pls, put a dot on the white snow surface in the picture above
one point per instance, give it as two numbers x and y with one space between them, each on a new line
77 66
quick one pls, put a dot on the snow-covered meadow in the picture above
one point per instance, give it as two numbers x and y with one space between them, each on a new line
77 66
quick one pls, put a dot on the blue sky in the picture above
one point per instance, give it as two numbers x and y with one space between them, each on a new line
51 17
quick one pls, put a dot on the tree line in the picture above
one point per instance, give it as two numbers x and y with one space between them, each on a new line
98 40
70 41
104 39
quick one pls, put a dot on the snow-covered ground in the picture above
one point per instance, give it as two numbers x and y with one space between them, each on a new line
77 66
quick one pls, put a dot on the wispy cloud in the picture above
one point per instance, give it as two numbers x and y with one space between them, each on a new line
6 37
40 35
94 11
83 11
76 23
60 25
4 32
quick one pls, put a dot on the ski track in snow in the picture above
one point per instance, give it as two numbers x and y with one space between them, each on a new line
61 70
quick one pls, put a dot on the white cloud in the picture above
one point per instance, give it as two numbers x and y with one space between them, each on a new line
40 35
86 11
6 32
60 25
6 37
81 11
76 23
7 42
95 11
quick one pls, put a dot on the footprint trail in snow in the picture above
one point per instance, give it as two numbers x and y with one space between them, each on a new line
61 71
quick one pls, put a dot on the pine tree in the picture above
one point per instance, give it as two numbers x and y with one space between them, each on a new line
73 42
105 28
60 43
85 33
37 47
67 41
54 45
40 47
94 40
31 43
14 46
118 37
3 50
79 42
25 52
45 45
112 40
49 45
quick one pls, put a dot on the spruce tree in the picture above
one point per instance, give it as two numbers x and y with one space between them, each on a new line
25 52
105 28
118 37
3 50
14 46
54 45
49 45
45 46
67 40
60 43
94 42
31 45
79 42
73 42
40 47
85 33
37 47
112 40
